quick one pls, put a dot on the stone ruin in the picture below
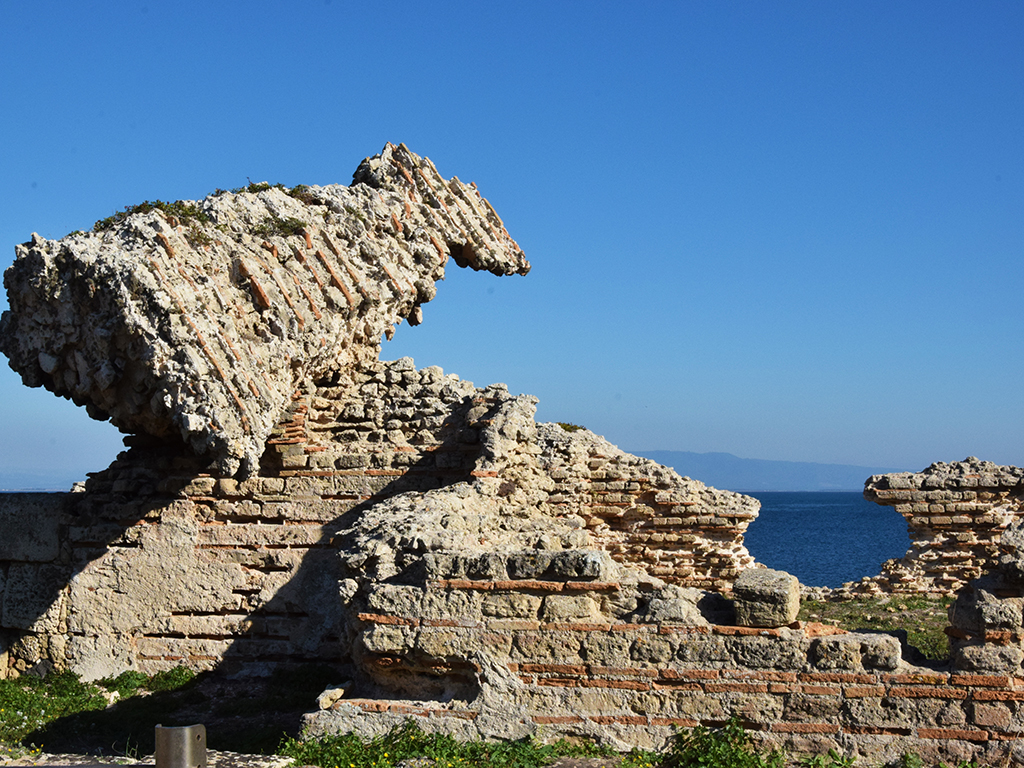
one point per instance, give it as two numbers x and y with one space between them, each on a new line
286 497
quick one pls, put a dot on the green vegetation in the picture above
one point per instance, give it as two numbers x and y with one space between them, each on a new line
569 427
29 703
408 741
830 759
62 713
302 194
191 215
273 225
117 715
179 212
30 707
726 747
924 618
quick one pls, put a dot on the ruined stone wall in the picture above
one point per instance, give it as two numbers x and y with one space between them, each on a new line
33 553
197 320
163 561
518 663
287 498
956 513
455 560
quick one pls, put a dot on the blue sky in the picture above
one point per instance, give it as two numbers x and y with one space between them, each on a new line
788 230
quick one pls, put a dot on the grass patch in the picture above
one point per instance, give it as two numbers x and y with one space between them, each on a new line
67 715
726 747
409 742
924 618
28 704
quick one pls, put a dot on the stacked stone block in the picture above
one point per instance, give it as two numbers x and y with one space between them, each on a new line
165 561
508 662
955 516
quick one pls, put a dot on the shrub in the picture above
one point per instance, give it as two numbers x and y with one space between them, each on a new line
725 747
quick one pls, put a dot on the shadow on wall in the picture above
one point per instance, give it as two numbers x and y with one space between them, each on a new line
161 562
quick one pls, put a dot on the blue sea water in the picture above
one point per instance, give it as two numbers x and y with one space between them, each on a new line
825 538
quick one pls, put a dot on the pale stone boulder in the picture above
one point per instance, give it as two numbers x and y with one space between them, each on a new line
766 598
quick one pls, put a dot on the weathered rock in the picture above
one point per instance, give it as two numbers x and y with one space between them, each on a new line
956 514
200 320
766 598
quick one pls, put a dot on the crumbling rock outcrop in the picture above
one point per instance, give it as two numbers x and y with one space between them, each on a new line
956 513
200 324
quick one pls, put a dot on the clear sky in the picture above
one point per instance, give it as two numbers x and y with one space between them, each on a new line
786 230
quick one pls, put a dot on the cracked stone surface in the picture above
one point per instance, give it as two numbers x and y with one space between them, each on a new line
200 325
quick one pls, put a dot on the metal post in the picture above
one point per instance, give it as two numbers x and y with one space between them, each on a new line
183 747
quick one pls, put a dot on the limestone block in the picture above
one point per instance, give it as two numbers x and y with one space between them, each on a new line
766 598
30 522
389 639
568 608
511 606
94 658
652 649
553 646
768 652
126 588
840 652
705 649
675 605
880 651
990 658
607 649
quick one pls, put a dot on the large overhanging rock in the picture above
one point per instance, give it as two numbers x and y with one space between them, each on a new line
200 319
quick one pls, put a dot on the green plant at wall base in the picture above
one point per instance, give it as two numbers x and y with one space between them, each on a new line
126 684
170 679
407 742
831 759
725 747
28 703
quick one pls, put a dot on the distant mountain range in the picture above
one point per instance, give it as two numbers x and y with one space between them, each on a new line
728 472
15 481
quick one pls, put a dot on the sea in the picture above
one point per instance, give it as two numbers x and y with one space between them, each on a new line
825 538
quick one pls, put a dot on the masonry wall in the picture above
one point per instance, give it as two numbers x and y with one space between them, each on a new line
482 573
162 561
956 513
632 683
